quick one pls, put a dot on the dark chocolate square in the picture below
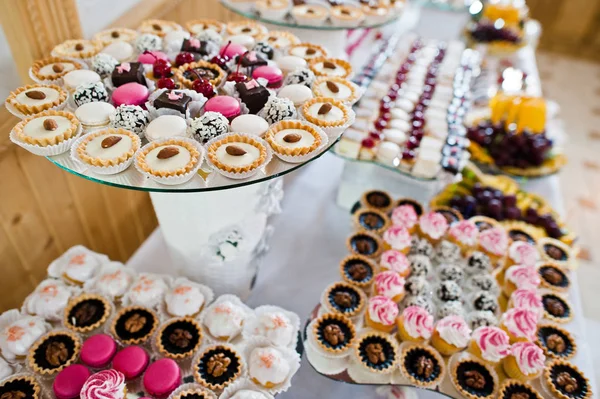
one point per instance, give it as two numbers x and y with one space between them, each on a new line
128 72
252 59
173 100
253 95
204 48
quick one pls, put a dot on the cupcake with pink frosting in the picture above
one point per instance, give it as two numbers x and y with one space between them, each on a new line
398 238
395 261
520 324
520 277
522 253
381 313
106 384
389 284
450 335
525 361
527 299
432 226
494 242
490 343
405 216
415 324
464 234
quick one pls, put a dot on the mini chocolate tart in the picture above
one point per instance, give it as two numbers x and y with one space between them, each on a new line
377 352
134 325
371 220
408 201
422 365
345 299
20 387
217 367
86 312
484 222
187 73
365 243
451 215
518 234
334 333
515 389
377 199
555 251
473 379
53 352
179 338
553 277
357 270
556 308
566 381
555 341
196 393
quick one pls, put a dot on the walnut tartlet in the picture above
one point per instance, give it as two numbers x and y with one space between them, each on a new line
86 313
365 243
53 352
293 138
134 325
80 49
198 25
109 36
326 112
237 153
566 381
108 147
555 341
33 99
179 338
21 386
218 366
53 68
378 352
331 67
158 27
358 270
186 74
422 365
47 128
371 220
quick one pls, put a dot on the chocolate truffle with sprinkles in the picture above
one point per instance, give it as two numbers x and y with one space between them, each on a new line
447 252
448 291
209 35
485 300
278 109
421 247
417 286
481 318
478 262
483 282
90 93
451 308
148 42
420 265
451 272
300 76
103 64
132 118
208 126
264 49
420 301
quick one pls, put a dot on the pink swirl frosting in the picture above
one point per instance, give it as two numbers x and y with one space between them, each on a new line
433 224
528 299
523 253
405 216
383 310
398 237
493 343
418 323
494 240
465 232
454 330
529 357
522 323
395 261
523 276
389 284
106 384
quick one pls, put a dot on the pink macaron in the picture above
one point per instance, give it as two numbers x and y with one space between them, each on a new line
98 350
162 377
68 383
271 74
131 361
232 50
152 57
227 106
130 94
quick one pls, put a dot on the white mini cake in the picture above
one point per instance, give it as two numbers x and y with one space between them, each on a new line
18 333
48 300
268 367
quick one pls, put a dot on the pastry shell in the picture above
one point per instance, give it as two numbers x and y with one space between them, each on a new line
290 124
231 139
550 383
39 64
259 29
360 306
363 259
85 158
565 264
178 356
195 157
277 34
556 319
340 319
213 24
339 81
337 61
148 26
322 51
221 348
375 237
66 49
44 142
179 73
320 122
81 298
106 36
134 341
31 356
553 354
37 390
35 109
380 336
546 284
411 346
383 216
511 382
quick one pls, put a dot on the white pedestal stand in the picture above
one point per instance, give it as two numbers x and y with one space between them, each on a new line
219 237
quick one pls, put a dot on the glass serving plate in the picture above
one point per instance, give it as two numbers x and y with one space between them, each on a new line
205 180
289 22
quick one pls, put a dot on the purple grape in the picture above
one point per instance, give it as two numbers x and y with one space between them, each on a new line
512 213
510 200
494 206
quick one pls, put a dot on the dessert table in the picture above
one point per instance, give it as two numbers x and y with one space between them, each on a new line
305 251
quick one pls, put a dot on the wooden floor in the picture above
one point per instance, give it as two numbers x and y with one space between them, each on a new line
575 85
